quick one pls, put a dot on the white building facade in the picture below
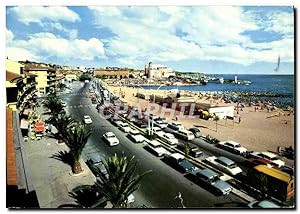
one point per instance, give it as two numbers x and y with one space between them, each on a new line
158 71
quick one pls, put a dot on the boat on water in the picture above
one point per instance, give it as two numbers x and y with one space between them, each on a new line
221 80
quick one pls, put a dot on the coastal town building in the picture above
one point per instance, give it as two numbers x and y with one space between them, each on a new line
111 72
45 77
20 85
158 71
71 77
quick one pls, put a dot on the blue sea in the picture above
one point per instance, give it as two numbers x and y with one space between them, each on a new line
279 84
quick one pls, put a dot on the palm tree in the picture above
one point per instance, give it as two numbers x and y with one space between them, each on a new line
119 181
61 123
53 103
61 86
76 138
187 149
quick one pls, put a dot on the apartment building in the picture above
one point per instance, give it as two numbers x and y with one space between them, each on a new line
45 77
20 85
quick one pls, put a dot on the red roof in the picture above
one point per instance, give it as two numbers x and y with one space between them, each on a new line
10 76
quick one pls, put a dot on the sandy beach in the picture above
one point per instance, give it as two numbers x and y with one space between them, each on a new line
258 130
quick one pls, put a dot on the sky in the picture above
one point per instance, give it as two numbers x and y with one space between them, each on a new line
206 39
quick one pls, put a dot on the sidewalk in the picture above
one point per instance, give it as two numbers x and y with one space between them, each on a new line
51 178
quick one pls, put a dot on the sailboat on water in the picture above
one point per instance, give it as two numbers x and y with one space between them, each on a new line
278 63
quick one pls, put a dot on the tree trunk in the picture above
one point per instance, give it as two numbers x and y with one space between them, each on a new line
76 168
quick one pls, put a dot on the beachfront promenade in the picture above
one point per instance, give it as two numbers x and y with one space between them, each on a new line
52 178
259 130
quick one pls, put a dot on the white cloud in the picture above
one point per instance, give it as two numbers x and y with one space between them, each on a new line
39 14
9 36
46 45
208 33
70 33
281 23
20 54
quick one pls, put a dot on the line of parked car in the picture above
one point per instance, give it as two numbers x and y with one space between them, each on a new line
175 160
204 177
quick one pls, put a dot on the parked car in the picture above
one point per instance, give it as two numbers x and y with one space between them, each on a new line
114 120
136 136
211 178
185 134
64 104
119 123
196 132
179 162
268 156
155 147
194 150
161 124
161 119
111 138
87 119
262 204
169 138
175 126
232 146
96 160
224 164
124 127
157 131
141 123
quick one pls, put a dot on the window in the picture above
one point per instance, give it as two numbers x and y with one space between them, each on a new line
228 144
220 162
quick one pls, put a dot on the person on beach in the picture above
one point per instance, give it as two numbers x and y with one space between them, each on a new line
240 119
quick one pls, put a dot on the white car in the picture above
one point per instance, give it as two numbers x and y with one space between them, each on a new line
232 146
117 122
64 104
87 119
224 164
157 130
161 124
124 127
170 138
185 134
175 126
155 147
268 156
111 138
136 136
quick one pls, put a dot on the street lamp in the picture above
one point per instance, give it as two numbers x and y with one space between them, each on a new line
152 120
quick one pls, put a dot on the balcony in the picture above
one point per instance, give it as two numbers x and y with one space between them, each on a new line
49 74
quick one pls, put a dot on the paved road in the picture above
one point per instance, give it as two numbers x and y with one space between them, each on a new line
159 188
